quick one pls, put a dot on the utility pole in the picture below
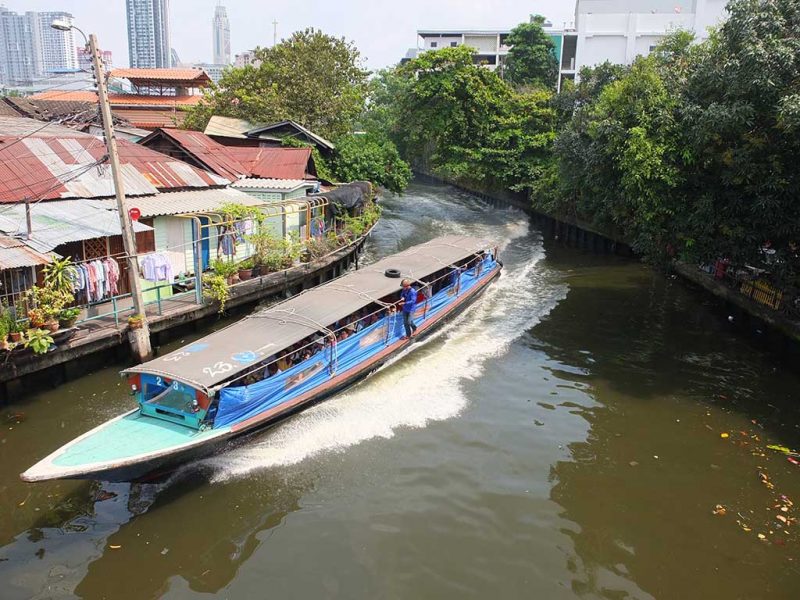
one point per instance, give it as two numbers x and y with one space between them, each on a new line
138 338
275 32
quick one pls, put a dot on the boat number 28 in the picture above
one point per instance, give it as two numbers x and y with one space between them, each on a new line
218 369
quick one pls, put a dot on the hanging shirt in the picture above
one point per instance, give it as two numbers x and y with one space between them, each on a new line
409 297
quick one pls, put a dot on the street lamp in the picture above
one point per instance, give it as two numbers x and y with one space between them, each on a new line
139 338
62 25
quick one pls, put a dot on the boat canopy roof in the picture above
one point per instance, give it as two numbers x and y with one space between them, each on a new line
221 356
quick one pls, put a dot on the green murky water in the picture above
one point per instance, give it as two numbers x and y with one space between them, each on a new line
562 439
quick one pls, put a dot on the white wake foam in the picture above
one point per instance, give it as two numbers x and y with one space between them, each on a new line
426 386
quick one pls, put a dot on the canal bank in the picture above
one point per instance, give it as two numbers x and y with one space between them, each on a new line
96 342
562 440
775 310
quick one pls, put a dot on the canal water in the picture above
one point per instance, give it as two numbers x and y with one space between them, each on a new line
571 435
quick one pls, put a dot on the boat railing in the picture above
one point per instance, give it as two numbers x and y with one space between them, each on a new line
383 311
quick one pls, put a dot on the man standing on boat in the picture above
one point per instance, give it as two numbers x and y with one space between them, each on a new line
408 300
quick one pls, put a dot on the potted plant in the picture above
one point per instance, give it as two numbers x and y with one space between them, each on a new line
68 316
246 269
136 321
15 331
215 288
38 340
226 269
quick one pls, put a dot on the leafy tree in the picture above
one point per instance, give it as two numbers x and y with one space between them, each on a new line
741 104
447 108
312 78
372 158
531 60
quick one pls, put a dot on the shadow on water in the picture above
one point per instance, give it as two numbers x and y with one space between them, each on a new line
99 535
685 410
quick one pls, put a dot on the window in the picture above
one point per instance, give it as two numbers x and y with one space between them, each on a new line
453 44
434 44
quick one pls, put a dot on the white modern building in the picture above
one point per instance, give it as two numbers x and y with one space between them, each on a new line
620 30
491 46
605 30
148 34
30 49
222 36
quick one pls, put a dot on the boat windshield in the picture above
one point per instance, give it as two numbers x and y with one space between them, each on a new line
172 401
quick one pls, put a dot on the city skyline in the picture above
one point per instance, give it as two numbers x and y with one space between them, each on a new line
30 49
382 33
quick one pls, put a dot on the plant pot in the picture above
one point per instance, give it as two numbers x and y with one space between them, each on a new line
245 274
256 271
51 326
68 323
16 336
233 279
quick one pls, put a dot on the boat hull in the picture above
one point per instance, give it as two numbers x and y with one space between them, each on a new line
158 467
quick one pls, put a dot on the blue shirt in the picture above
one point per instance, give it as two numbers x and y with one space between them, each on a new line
409 296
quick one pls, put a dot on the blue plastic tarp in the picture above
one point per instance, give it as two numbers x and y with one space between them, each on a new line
240 403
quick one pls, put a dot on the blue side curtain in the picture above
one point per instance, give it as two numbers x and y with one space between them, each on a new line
241 403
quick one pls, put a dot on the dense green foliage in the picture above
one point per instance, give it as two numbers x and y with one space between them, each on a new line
312 78
371 158
531 60
462 121
690 152
317 81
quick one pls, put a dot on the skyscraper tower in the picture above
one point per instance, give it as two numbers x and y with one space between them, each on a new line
222 36
148 33
30 48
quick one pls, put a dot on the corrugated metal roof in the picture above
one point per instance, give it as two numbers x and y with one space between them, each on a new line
321 141
271 185
22 126
7 109
194 201
56 223
275 163
15 254
46 110
120 99
208 152
44 168
189 75
228 127
149 118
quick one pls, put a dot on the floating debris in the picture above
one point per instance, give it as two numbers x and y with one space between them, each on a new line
720 510
724 436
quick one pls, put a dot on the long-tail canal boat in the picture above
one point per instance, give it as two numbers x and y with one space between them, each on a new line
277 361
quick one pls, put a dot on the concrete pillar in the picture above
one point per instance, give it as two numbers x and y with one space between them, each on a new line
139 340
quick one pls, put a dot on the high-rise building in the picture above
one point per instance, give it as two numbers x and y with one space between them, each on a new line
222 36
58 47
148 34
85 59
31 49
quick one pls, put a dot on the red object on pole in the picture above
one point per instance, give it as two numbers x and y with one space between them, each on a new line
134 214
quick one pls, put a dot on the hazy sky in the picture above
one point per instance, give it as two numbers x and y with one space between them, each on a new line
382 30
